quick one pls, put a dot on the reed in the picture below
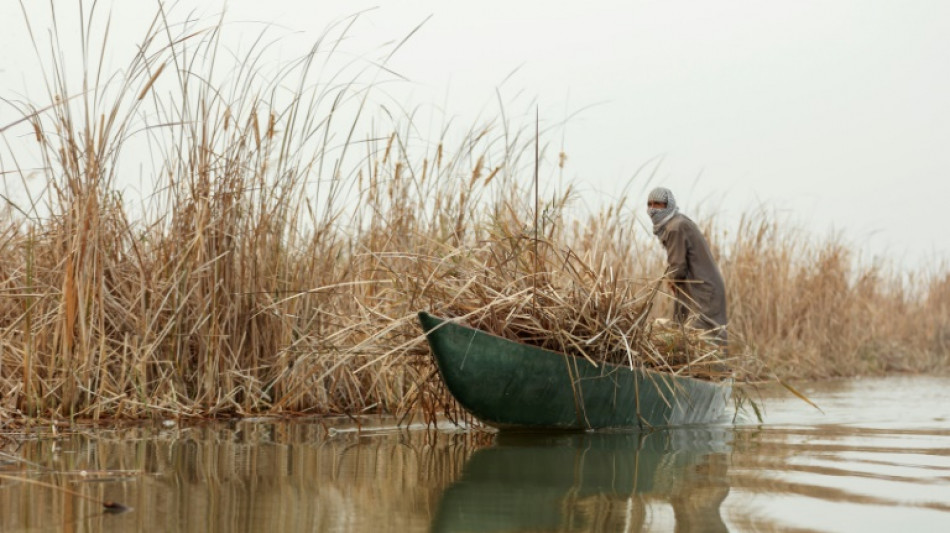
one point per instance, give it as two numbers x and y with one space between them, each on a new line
278 265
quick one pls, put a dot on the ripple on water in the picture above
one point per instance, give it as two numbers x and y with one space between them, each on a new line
877 458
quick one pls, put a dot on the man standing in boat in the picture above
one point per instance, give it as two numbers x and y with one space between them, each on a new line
694 277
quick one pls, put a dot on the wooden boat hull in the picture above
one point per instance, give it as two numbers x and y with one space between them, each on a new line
510 385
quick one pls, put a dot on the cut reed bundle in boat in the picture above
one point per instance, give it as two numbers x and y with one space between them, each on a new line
568 307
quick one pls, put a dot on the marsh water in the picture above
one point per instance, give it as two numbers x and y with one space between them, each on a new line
876 457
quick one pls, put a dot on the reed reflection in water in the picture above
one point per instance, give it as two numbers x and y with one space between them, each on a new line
246 476
876 458
293 476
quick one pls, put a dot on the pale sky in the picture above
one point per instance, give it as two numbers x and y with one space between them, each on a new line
836 113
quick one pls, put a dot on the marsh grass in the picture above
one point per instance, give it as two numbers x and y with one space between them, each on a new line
278 264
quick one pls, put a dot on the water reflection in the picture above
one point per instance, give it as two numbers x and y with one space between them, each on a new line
877 458
591 482
242 477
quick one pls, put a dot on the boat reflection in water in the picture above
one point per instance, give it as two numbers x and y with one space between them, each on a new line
592 482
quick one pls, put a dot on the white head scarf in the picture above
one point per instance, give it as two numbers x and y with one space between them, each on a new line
661 216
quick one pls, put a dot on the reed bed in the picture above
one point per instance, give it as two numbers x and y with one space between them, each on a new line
280 261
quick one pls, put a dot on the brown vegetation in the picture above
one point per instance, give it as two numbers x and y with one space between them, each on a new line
264 275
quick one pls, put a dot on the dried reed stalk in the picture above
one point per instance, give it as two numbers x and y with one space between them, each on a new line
280 262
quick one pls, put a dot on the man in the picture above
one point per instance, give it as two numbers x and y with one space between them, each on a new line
694 277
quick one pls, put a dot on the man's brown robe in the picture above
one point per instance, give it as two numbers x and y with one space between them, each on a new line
698 283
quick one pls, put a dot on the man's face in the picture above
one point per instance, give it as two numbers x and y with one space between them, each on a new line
656 205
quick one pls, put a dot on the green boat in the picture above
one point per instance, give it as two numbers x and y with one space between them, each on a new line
510 385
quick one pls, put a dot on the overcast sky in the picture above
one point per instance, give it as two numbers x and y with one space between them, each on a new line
836 113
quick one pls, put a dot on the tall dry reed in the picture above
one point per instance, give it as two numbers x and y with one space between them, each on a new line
278 264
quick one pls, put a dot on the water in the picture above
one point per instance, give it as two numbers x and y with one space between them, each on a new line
876 459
